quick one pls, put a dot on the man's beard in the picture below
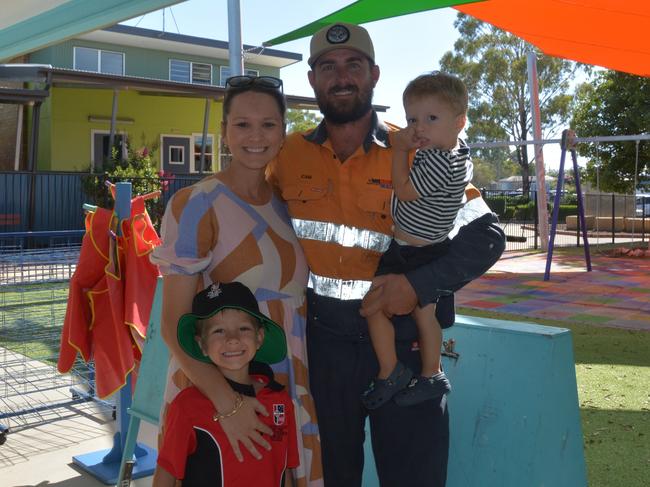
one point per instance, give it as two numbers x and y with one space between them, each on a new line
338 112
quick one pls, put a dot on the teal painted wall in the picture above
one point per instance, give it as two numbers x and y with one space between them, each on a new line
71 132
145 63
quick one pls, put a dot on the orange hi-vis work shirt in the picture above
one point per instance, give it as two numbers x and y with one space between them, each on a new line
340 210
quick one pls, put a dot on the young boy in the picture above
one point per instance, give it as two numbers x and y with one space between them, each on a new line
226 328
426 200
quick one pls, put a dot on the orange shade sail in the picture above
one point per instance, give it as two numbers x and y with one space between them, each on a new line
609 33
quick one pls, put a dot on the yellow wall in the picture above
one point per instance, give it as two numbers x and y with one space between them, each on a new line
70 130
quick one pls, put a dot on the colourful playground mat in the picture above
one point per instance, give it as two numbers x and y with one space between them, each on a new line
615 294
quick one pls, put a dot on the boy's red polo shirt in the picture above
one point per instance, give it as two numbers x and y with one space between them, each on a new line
196 449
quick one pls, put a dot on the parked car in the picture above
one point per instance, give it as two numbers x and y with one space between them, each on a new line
643 205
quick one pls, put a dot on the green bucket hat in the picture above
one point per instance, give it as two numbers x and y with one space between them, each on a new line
234 295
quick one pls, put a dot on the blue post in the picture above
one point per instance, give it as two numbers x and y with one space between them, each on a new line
556 206
568 143
581 209
105 464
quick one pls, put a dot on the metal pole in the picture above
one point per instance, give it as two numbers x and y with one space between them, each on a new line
206 119
19 137
556 207
613 216
111 137
33 162
542 209
581 206
234 38
602 138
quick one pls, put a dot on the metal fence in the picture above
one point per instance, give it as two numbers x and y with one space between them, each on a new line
610 219
33 299
52 201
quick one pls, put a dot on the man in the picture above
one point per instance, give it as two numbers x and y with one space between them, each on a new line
336 180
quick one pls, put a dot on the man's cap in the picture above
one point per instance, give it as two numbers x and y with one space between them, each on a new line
340 36
233 295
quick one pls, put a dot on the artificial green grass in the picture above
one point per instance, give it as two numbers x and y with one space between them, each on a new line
613 376
31 318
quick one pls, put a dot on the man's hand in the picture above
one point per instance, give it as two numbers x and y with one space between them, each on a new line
391 294
246 427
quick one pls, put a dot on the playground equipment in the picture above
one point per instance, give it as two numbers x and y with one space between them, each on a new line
568 143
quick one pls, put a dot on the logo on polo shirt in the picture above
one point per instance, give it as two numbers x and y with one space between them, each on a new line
382 183
278 414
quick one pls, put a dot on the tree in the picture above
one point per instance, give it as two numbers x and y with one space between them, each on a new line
301 120
493 65
616 104
484 173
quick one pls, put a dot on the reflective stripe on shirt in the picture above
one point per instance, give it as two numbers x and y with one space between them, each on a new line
341 234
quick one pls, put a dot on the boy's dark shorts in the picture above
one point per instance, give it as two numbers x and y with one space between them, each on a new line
400 259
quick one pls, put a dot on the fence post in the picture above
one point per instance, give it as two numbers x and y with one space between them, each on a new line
536 219
613 217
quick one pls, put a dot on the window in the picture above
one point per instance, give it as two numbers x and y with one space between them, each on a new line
177 154
224 74
202 73
188 72
179 70
207 165
99 61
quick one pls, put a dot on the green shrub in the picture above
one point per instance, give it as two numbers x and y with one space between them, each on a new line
565 210
497 204
140 168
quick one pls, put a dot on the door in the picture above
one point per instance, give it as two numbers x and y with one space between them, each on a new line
176 154
101 149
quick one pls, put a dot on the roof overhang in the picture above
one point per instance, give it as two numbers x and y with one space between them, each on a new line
16 75
125 35
71 78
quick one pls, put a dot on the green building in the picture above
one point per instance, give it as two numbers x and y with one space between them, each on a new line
164 90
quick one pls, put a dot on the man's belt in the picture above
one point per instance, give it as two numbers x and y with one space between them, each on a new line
343 289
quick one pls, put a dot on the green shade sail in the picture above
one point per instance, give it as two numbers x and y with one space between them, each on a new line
364 11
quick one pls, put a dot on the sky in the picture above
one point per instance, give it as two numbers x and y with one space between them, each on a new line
399 58
404 46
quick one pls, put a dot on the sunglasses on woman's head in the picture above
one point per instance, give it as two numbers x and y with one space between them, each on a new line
244 81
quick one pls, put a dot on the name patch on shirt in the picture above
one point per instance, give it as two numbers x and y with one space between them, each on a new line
382 183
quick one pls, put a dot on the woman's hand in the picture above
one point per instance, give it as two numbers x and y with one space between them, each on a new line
246 428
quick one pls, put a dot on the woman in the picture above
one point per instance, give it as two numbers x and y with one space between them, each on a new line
231 227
